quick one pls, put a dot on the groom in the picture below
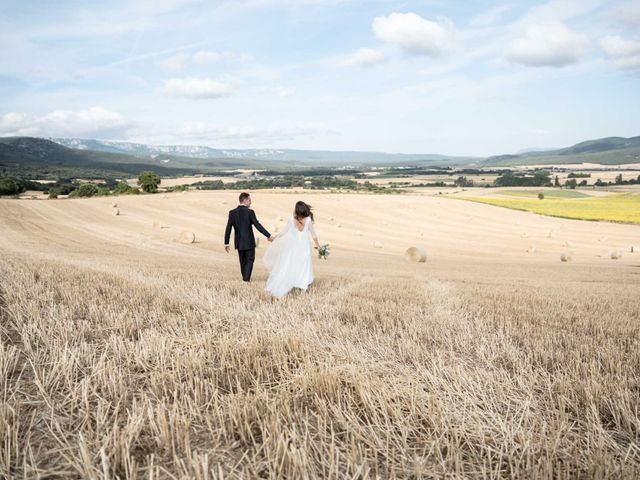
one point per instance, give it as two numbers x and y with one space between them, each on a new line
242 218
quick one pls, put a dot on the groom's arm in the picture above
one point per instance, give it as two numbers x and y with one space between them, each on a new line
256 223
227 231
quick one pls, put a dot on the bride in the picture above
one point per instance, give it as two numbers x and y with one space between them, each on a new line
288 258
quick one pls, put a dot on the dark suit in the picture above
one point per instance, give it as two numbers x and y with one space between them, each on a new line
242 219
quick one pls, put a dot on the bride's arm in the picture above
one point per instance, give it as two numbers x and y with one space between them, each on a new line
312 232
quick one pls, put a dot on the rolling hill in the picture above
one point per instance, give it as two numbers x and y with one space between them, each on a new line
30 157
606 151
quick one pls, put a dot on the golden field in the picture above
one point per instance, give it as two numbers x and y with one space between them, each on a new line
614 207
125 354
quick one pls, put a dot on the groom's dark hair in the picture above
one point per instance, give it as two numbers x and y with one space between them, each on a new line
243 196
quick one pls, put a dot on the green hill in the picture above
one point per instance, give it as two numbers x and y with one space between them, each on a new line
606 151
29 157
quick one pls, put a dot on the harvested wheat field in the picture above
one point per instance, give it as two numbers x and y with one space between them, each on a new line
127 354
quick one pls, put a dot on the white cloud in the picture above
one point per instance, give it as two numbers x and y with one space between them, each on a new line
195 88
17 124
622 52
414 33
548 44
616 46
364 57
96 121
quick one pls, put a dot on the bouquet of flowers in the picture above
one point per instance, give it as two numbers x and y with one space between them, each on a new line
323 251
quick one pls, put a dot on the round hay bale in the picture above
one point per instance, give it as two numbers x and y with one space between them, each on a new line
186 237
615 255
635 249
377 244
415 255
115 212
566 256
531 249
114 205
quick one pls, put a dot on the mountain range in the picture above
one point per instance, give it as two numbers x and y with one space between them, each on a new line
38 157
167 153
608 151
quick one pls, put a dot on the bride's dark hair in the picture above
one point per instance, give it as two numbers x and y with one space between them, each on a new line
303 210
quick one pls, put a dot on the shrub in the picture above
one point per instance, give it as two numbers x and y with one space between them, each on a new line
541 196
571 183
463 182
123 188
86 190
178 188
65 189
10 186
149 181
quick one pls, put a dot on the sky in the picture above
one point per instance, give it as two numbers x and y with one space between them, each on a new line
458 78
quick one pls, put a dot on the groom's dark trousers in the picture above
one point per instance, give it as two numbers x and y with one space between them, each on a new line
242 219
247 257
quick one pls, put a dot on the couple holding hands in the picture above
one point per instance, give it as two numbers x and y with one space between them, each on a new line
288 257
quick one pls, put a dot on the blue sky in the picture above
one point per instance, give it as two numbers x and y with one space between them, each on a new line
459 78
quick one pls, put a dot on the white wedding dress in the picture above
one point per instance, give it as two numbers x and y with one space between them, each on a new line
288 259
